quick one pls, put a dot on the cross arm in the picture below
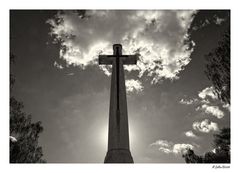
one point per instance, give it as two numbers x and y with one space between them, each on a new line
105 60
129 59
126 59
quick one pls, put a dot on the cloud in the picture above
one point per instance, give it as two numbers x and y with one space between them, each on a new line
190 134
204 102
169 147
162 143
203 97
219 21
205 126
59 66
160 37
181 148
212 110
226 106
133 85
13 139
207 92
188 102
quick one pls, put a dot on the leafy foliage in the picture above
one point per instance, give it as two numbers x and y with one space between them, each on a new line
221 153
218 60
24 134
218 68
209 18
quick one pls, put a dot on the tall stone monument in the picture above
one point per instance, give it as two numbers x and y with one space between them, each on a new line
118 135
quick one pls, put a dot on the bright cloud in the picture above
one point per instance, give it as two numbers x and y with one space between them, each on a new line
226 106
214 150
59 66
188 102
203 102
203 97
207 92
13 139
162 143
160 37
133 85
219 21
190 134
169 147
212 110
181 148
205 126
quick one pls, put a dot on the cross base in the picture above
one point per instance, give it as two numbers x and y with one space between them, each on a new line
118 156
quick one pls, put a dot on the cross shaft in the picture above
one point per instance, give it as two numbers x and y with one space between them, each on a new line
118 135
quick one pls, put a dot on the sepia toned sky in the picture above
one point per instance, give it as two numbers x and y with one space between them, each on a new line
171 103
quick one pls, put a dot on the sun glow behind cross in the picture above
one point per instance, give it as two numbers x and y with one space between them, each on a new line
103 136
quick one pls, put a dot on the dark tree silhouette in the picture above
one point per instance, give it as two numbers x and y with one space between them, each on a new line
218 60
209 18
218 68
218 72
221 153
24 134
191 157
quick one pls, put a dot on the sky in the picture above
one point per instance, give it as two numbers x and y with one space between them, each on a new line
171 102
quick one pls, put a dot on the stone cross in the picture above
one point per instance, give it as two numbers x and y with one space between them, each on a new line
118 134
